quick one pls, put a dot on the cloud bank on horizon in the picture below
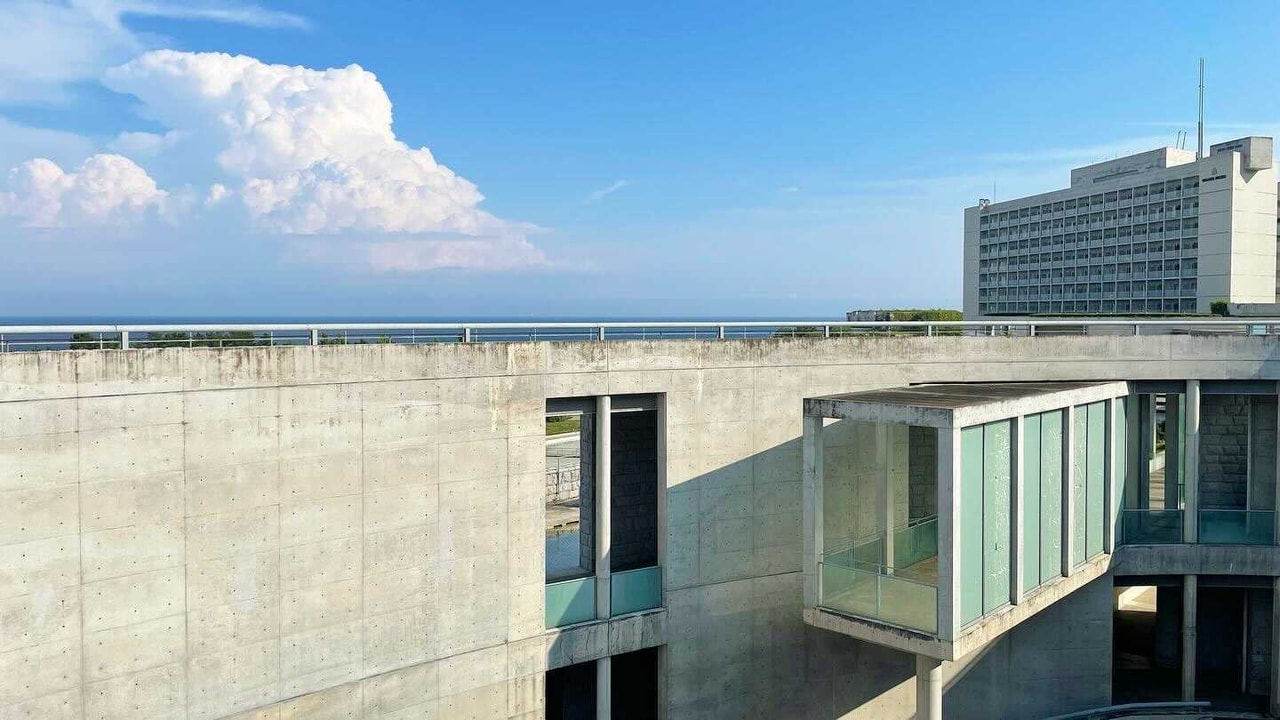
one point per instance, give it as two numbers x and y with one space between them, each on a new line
285 150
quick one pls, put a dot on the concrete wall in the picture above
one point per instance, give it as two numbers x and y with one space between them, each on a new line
1259 648
923 472
358 531
1060 658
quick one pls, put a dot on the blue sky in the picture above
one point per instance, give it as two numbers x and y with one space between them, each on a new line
664 159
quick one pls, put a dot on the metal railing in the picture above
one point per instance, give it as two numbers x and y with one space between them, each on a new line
105 337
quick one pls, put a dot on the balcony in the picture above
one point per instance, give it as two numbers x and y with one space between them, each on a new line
1228 496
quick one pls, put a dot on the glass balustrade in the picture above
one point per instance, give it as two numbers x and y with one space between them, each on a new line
866 592
1151 527
1236 527
570 602
635 590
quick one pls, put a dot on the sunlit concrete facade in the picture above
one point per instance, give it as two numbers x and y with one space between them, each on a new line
297 532
1156 232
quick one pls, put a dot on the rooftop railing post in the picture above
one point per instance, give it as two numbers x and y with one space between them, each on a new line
1137 329
1031 330
720 332
928 330
600 333
124 339
466 334
826 331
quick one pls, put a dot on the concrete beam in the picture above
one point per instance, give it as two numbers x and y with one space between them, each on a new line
812 481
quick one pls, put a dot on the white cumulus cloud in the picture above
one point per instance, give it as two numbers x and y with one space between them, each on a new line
106 190
275 150
314 150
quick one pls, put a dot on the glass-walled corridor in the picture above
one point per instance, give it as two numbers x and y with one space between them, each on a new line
880 522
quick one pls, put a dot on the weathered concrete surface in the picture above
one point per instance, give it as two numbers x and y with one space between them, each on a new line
357 531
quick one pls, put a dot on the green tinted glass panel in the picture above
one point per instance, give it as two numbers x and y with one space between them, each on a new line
969 528
1095 493
635 590
996 514
1122 464
1030 502
1237 527
1051 495
909 604
915 543
571 601
1079 478
850 591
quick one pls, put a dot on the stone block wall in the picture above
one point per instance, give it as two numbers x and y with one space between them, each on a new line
563 484
1224 449
1262 450
634 490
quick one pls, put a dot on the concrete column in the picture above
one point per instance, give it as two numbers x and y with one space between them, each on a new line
604 688
1191 473
948 512
1275 647
1016 564
928 688
812 480
604 481
884 495
1188 637
1068 484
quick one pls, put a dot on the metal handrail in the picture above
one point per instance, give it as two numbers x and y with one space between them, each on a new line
17 337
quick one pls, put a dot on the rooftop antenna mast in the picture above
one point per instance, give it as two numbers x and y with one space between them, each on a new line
1200 120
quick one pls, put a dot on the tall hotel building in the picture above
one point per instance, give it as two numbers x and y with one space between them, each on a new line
1156 232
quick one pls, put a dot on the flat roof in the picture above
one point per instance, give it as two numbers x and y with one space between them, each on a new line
958 395
961 404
